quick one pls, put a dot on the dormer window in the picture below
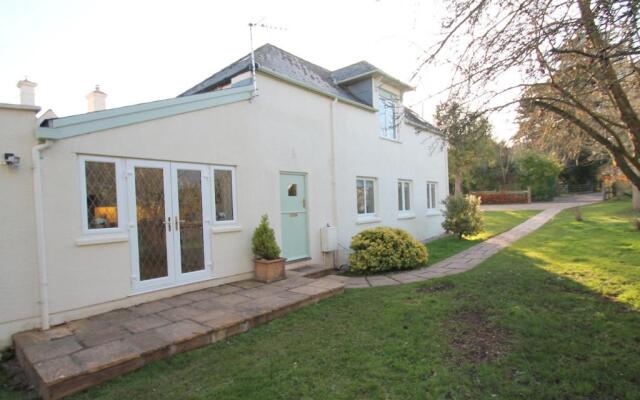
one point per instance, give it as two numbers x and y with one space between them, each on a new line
387 114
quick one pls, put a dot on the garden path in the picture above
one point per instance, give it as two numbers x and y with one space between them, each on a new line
475 255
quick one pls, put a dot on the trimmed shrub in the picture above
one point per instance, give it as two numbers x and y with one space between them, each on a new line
462 215
263 243
386 249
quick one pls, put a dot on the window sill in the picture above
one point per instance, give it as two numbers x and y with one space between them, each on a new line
90 240
225 228
368 220
406 215
434 213
390 140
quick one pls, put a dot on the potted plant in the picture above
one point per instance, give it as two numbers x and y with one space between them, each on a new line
269 266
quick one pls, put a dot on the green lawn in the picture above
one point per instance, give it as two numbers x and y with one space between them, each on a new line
495 222
555 316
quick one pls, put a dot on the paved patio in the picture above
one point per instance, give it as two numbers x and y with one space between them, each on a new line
82 353
473 256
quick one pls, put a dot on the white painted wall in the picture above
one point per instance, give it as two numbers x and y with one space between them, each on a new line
18 258
270 134
415 156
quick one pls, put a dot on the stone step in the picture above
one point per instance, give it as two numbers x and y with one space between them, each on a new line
77 355
312 271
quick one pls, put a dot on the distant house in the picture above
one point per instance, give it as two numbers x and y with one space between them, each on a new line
126 205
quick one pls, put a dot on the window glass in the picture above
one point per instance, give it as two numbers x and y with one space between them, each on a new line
370 205
292 190
431 195
365 193
404 195
102 195
387 114
360 195
223 192
407 196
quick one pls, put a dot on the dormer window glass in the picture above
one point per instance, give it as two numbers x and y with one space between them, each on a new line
387 114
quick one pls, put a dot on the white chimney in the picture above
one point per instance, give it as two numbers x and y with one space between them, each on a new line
96 100
27 92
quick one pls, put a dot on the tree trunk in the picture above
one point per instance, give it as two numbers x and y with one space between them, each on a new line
636 198
458 185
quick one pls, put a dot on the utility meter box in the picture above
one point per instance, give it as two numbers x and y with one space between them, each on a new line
329 238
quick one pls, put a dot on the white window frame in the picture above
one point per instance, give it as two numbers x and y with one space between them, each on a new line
430 200
386 99
120 194
375 196
402 211
234 200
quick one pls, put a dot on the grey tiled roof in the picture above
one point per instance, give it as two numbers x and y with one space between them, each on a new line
353 70
297 69
413 118
281 62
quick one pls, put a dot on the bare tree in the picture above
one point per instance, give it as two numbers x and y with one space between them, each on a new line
578 60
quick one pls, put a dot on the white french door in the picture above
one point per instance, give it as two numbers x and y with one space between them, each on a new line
169 219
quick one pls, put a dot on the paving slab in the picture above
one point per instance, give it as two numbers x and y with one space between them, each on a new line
52 349
381 280
105 355
82 353
57 369
144 323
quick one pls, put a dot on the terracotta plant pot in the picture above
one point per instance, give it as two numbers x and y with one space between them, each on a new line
269 270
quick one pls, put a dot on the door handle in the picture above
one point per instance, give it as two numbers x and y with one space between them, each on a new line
178 222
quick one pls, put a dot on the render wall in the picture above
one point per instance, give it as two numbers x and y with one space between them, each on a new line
285 129
18 257
361 152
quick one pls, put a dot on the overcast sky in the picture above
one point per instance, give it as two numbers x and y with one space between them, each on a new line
139 50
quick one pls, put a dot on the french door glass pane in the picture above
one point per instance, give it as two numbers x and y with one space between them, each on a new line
191 224
224 194
150 217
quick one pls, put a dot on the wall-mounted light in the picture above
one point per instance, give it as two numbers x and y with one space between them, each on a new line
11 160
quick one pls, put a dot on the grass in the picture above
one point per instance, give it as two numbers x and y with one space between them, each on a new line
495 222
556 315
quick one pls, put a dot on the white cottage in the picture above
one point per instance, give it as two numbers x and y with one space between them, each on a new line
121 206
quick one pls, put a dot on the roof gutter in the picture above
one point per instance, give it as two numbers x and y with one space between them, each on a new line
424 128
284 78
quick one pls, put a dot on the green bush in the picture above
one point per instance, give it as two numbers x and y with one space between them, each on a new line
462 215
263 243
386 249
540 173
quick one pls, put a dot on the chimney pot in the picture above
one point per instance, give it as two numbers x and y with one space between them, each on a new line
27 92
96 100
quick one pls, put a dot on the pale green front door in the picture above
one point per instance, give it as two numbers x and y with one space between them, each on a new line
293 208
